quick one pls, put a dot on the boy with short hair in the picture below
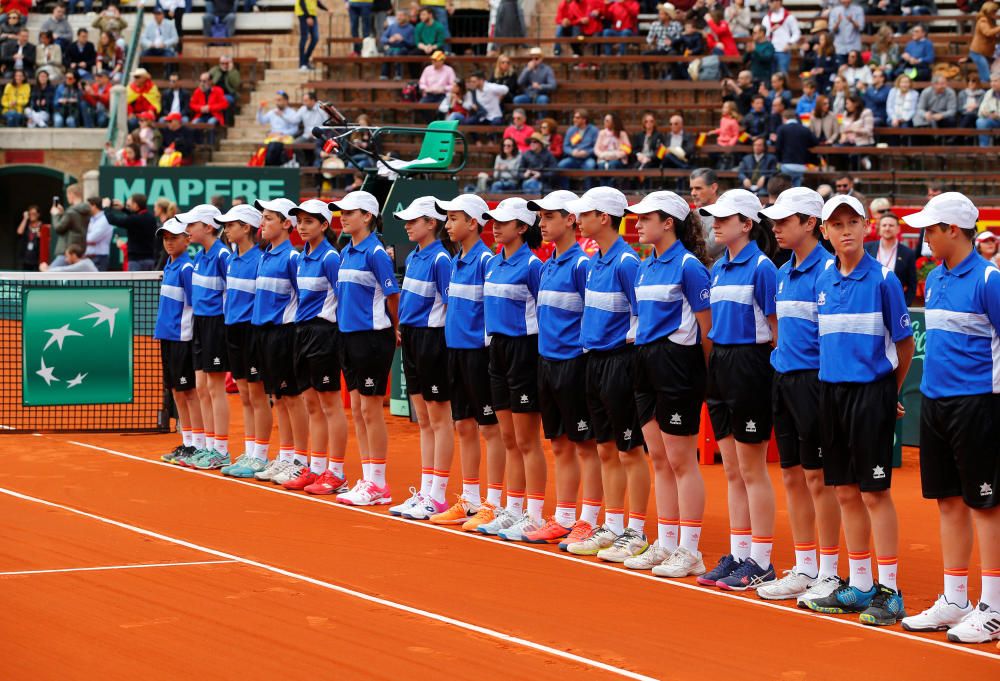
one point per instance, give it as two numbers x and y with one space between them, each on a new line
865 350
960 417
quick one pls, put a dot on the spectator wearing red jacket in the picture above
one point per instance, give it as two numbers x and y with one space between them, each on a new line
98 95
622 20
719 36
208 102
519 130
595 17
571 16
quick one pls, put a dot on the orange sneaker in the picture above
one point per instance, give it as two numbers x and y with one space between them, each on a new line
485 515
456 515
549 533
581 530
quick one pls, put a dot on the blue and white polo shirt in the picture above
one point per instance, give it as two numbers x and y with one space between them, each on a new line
561 289
174 313
209 280
425 287
742 297
465 325
241 285
277 297
798 321
609 306
316 278
669 289
366 278
510 293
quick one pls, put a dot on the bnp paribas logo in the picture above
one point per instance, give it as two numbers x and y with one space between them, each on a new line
77 346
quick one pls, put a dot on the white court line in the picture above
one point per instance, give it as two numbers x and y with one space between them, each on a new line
628 574
427 614
114 567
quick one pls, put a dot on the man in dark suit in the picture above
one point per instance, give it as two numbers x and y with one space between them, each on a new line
679 145
891 253
756 168
792 145
18 54
175 99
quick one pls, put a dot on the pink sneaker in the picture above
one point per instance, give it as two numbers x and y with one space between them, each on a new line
425 510
366 493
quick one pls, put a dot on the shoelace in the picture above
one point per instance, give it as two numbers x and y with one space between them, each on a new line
745 569
624 538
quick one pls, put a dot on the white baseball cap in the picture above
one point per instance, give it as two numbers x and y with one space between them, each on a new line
205 212
470 204
422 207
173 226
735 202
556 200
668 202
794 201
838 200
281 206
950 208
514 208
986 235
244 213
313 207
604 199
357 201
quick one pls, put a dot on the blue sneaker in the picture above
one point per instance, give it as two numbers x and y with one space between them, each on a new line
844 600
247 469
723 569
243 459
748 575
885 609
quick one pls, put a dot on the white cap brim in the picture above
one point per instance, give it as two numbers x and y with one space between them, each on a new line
242 213
279 206
556 200
668 202
424 207
206 213
358 200
313 207
471 205
172 226
839 200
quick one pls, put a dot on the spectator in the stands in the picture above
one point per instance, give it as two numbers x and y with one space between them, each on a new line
984 42
648 144
310 116
58 25
876 96
549 130
226 75
176 100
838 95
819 59
141 227
219 12
807 102
16 97
680 144
756 168
482 100
282 120
18 54
12 24
969 99
99 232
737 14
506 168
208 103
570 17
857 130
81 56
110 57
918 55
429 35
148 138
779 89
174 11
792 147
179 136
504 73
307 12
690 44
110 19
937 106
578 146
397 40
901 105
987 244
823 122
844 184
68 104
783 31
847 21
893 255
159 37
437 79
453 104
97 95
704 185
621 18
775 119
855 71
661 35
536 81
537 166
989 110
740 91
727 135
519 130
48 56
884 51
755 120
718 34
440 11
39 111
142 95
761 58
613 146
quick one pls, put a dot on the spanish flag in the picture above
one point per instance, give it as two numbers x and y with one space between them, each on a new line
627 148
575 139
701 140
661 151
744 137
840 119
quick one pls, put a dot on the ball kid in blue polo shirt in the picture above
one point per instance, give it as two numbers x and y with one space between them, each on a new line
865 349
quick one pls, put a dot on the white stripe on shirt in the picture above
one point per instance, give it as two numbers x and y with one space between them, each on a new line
969 323
214 283
277 285
427 289
862 323
172 292
318 284
571 302
733 293
466 291
360 277
799 309
509 291
659 293
240 284
609 301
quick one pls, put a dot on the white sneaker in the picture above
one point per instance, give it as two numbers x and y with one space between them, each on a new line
979 626
366 493
681 563
792 585
501 521
820 588
415 500
629 544
273 467
649 559
289 472
601 539
942 615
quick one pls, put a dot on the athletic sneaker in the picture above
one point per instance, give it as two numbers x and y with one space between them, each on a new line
581 530
415 500
328 483
844 600
289 473
979 626
305 478
549 533
601 538
424 510
212 460
252 467
885 609
792 585
748 575
178 451
941 616
188 458
240 461
366 493
722 569
273 467
485 514
459 513
629 544
502 519
649 558
820 588
681 563
517 531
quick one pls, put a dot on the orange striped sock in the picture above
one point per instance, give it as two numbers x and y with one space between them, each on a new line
565 513
614 519
222 444
377 467
805 559
515 501
440 486
589 510
494 494
209 440
690 534
470 490
861 569
286 452
956 585
317 462
426 481
829 561
667 530
301 457
991 587
198 438
888 566
366 467
760 550
739 542
337 465
637 522
536 502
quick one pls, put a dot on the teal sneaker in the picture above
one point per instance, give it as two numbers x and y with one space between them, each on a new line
247 469
211 460
242 459
185 459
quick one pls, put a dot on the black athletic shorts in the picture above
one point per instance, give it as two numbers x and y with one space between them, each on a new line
670 385
857 429
211 354
469 385
317 355
239 341
611 397
273 354
739 392
366 357
514 373
562 398
425 362
795 397
960 449
178 365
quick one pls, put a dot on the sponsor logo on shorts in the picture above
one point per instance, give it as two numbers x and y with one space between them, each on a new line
284 384
751 427
904 321
581 426
326 380
487 410
627 435
216 361
183 380
819 452
369 382
986 490
434 390
878 473
821 300
524 399
253 370
675 419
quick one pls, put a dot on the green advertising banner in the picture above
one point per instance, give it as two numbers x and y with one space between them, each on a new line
910 394
190 186
77 345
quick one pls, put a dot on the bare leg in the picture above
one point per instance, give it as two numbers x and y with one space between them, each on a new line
263 419
739 505
247 406
220 403
496 455
612 475
439 414
515 460
468 446
827 510
527 429
336 423
567 471
666 484
682 454
426 432
205 401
